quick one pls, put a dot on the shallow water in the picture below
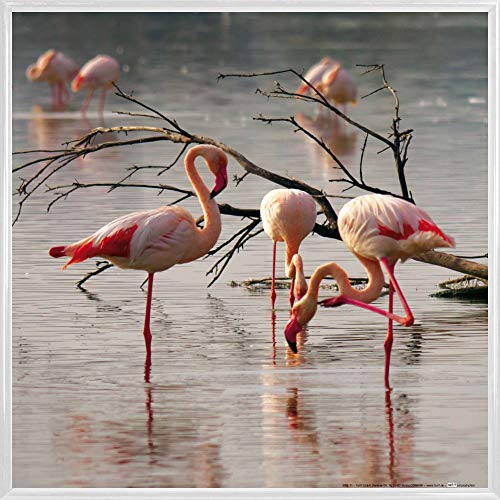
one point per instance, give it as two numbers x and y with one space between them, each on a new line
228 405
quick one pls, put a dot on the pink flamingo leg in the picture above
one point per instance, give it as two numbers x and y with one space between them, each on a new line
273 290
87 102
147 330
102 100
60 100
53 91
389 338
408 321
65 94
338 301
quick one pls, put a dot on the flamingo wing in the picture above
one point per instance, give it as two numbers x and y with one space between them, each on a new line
377 226
315 74
137 240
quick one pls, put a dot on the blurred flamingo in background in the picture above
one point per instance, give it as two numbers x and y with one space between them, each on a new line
99 72
315 74
378 229
333 81
288 215
56 69
156 240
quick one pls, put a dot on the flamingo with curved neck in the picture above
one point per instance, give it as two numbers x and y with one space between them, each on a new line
379 230
156 240
288 215
296 272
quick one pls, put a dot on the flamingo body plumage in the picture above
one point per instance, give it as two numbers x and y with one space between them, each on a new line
376 226
332 80
338 86
158 239
288 215
315 74
57 70
379 230
100 72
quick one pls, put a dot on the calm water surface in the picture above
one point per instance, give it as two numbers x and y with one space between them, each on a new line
228 405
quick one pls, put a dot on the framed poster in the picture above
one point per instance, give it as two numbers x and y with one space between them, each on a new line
377 123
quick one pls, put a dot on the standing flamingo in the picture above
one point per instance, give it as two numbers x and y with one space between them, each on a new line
315 74
378 229
156 240
56 69
287 215
99 72
333 81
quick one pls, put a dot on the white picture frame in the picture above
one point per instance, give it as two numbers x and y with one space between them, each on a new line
8 7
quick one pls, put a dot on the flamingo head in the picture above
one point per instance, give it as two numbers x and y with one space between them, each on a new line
40 71
302 312
78 82
33 72
218 166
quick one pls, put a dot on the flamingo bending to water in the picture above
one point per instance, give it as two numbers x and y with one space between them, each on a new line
315 74
378 229
287 215
56 69
156 240
99 72
333 81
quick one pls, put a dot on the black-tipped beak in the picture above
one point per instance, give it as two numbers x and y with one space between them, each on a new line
293 346
220 182
292 328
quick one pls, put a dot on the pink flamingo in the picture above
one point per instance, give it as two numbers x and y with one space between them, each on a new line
156 240
99 72
378 229
288 215
56 69
315 74
333 81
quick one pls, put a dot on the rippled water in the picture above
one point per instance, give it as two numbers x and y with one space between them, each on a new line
228 405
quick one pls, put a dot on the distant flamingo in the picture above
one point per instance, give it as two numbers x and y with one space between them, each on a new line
287 215
315 74
333 81
156 240
56 69
99 72
377 229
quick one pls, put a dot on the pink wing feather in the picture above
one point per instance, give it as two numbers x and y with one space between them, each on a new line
376 226
153 240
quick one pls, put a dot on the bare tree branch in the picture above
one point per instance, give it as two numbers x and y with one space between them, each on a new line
60 158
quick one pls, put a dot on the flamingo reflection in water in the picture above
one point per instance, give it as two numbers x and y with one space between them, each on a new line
336 136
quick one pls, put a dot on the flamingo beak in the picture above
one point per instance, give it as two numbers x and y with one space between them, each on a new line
220 182
291 329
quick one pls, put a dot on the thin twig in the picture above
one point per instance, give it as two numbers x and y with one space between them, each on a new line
102 266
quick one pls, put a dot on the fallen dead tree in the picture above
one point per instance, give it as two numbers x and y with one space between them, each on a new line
43 169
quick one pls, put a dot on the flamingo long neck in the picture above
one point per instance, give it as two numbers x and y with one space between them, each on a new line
296 270
292 249
368 294
207 236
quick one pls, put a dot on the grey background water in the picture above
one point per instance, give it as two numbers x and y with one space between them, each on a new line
227 406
